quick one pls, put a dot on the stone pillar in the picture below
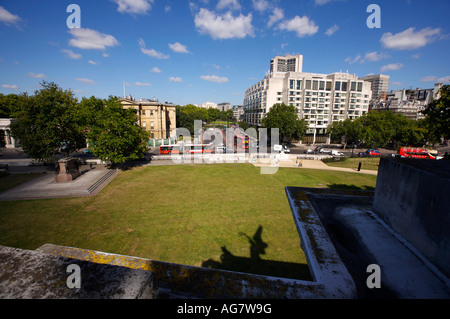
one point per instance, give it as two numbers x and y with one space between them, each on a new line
67 170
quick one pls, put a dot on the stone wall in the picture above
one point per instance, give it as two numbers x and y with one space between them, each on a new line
413 197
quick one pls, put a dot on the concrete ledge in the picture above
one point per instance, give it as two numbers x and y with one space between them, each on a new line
26 274
175 280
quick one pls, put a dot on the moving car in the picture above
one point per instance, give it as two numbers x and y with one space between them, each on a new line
336 153
373 152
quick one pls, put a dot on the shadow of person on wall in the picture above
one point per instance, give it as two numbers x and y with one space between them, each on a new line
255 264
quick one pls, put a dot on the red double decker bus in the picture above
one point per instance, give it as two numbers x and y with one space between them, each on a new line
197 148
416 152
169 149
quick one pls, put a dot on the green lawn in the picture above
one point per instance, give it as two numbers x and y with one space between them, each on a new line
370 163
188 214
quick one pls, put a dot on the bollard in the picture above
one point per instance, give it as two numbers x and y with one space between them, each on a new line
359 166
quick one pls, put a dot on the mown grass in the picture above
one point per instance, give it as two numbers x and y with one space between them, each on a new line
183 214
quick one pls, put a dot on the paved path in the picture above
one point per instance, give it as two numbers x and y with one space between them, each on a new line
89 183
315 164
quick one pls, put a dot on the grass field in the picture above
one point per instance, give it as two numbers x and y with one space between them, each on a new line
221 216
370 163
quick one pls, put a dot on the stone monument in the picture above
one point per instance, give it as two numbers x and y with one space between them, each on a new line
66 170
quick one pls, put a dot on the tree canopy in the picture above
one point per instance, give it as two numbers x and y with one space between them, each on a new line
53 121
116 136
378 129
47 122
285 118
437 120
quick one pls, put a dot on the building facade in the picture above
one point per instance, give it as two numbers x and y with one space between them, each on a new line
5 133
379 85
320 99
159 119
408 102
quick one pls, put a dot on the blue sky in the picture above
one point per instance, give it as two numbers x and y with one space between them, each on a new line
213 50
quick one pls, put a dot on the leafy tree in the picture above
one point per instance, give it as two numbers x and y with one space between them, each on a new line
347 132
116 136
8 104
437 120
285 118
47 122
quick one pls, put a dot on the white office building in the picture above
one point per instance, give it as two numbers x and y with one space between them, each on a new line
320 99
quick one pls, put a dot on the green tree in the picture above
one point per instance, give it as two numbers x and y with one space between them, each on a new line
347 132
47 122
437 116
285 118
9 103
115 136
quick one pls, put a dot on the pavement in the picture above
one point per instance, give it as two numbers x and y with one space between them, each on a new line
89 183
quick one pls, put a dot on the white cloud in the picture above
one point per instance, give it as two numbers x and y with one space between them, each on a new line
10 86
37 76
228 4
178 47
134 6
276 16
175 79
89 39
396 83
428 79
409 39
303 26
138 84
71 54
223 27
214 78
444 79
151 52
349 60
167 9
86 81
92 62
374 56
321 2
391 67
435 79
331 30
261 5
105 55
8 18
156 70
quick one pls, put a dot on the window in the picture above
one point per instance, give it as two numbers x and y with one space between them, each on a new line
308 84
344 86
360 86
152 125
291 84
299 84
322 85
315 85
353 87
328 88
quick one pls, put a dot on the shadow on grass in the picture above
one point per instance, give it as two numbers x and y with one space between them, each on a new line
256 265
351 187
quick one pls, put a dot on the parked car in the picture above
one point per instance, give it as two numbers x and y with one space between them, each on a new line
310 151
373 152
